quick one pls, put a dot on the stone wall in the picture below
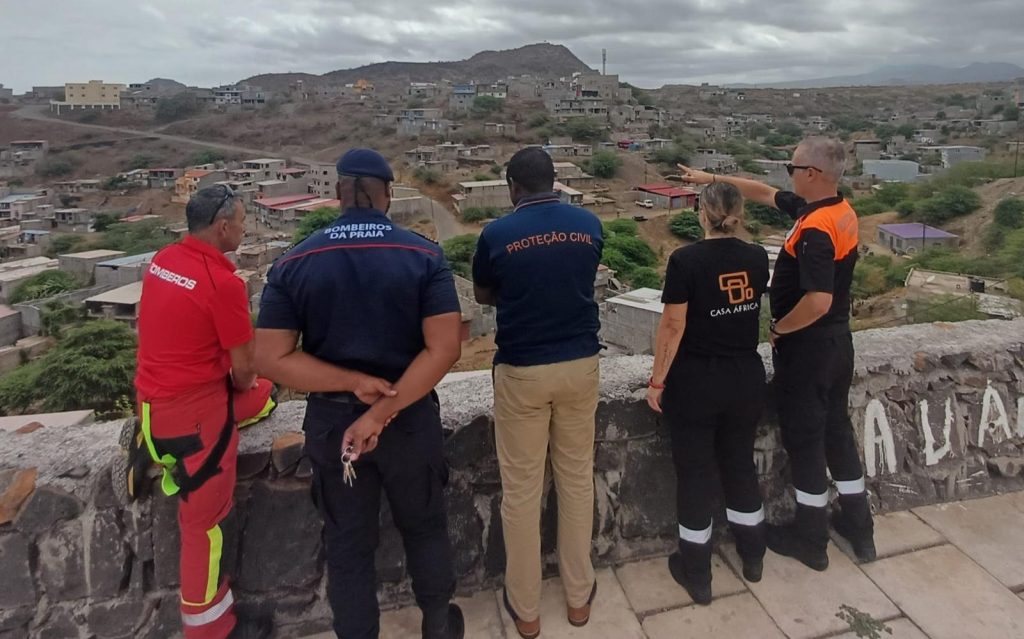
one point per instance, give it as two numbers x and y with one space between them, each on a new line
940 409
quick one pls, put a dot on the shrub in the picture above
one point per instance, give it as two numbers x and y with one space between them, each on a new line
605 164
767 215
686 226
622 226
208 156
616 261
951 202
314 221
177 107
633 249
43 285
459 250
645 277
426 176
55 167
480 213
1009 213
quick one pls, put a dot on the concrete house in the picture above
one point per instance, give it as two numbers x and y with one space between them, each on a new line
193 180
630 321
892 170
122 271
666 196
94 94
482 194
83 264
462 97
908 238
121 304
163 178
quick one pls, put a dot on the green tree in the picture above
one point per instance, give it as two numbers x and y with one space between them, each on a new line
459 251
426 176
538 121
1009 213
43 285
621 226
673 155
605 164
314 221
906 208
892 193
207 156
1011 112
486 105
633 249
686 226
140 161
616 261
103 221
584 130
92 367
66 244
767 215
645 277
643 98
135 237
951 202
479 213
177 107
55 167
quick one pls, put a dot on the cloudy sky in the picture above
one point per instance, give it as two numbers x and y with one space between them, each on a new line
649 42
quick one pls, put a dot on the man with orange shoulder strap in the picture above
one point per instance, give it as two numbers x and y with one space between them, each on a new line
813 352
196 380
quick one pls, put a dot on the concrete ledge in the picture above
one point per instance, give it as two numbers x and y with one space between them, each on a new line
939 410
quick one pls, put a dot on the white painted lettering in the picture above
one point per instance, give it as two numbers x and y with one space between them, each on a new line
931 455
989 422
877 433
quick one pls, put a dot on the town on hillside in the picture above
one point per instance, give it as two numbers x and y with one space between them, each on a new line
94 176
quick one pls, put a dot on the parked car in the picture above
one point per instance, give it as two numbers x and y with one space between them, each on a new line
647 204
639 218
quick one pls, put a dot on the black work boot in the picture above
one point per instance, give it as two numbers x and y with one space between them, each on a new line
854 524
447 623
690 566
805 539
750 546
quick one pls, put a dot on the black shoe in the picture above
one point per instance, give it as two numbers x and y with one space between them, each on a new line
699 590
863 543
454 624
752 570
783 541
252 629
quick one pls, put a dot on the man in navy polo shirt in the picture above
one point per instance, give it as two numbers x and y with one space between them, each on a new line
537 266
380 323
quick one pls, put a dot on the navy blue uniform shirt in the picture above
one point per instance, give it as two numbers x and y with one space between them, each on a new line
358 292
541 261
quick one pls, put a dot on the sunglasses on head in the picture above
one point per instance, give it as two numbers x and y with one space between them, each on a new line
790 168
228 194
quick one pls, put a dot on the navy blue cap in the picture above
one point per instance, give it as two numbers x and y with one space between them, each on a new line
365 163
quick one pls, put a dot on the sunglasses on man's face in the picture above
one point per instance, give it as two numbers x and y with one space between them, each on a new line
228 194
790 168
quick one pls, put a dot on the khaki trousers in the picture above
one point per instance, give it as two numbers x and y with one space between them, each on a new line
537 409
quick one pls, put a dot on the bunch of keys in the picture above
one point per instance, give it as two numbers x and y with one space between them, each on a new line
348 474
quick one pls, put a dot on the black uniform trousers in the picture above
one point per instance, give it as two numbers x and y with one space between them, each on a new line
813 374
712 406
408 464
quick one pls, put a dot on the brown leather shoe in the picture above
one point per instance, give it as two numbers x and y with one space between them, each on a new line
526 629
579 617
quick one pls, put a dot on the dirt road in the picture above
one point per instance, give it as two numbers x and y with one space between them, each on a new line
40 114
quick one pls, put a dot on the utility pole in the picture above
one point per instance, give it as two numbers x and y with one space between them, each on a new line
604 61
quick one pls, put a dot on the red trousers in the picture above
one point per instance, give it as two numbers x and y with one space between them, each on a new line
183 431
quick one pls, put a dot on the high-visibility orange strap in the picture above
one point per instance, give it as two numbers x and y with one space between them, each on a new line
838 221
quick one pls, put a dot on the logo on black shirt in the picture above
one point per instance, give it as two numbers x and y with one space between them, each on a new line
737 285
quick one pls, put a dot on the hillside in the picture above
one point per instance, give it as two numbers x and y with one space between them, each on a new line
905 75
972 228
544 60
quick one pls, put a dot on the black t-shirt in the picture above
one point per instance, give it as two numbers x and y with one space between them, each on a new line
722 282
819 256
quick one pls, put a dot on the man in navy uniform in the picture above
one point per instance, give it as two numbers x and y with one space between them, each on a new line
380 323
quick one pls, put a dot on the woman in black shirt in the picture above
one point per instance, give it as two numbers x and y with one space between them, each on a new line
709 382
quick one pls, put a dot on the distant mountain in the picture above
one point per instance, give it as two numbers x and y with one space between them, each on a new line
163 84
900 75
544 60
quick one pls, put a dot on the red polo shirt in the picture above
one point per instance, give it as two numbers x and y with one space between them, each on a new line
194 309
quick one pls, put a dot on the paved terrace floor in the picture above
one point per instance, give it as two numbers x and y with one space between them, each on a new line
951 571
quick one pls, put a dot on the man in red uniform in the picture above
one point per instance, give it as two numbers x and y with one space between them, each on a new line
196 380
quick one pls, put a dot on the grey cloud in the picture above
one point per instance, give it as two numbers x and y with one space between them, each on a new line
650 43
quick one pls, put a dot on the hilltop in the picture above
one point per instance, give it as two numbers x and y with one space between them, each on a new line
543 60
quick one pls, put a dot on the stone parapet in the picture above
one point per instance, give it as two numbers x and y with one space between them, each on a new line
939 410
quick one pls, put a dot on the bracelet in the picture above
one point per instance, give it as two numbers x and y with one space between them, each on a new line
771 329
713 178
651 384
